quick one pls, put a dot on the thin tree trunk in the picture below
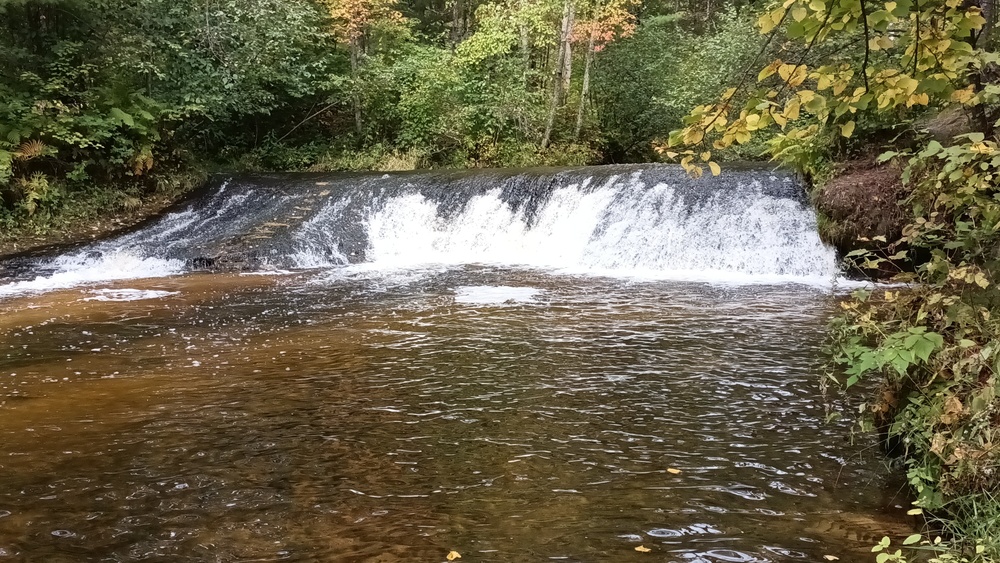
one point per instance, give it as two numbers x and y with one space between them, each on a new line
553 103
456 23
354 77
525 53
559 79
585 88
567 71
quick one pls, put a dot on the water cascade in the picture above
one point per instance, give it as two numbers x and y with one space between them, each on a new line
748 225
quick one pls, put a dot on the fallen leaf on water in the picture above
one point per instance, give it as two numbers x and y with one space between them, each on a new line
831 558
673 471
453 555
643 549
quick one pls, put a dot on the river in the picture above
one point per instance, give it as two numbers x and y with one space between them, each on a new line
394 375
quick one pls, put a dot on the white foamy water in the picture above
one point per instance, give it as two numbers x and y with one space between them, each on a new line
494 294
127 294
621 228
639 222
81 269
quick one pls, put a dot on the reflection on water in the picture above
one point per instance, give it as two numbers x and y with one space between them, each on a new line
508 415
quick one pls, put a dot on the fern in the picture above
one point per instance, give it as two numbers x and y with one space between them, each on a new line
30 149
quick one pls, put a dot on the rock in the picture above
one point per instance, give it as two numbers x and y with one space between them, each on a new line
945 125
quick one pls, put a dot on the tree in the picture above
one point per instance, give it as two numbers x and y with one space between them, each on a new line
607 21
852 57
353 21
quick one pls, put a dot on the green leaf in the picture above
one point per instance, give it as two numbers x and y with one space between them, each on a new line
935 339
122 117
910 540
886 156
931 149
923 348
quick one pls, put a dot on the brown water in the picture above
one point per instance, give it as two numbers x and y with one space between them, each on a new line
388 417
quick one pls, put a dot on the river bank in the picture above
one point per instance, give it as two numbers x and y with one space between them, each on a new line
86 219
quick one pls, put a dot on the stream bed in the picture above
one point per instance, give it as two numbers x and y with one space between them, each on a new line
381 415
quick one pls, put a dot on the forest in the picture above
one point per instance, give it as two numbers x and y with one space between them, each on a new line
108 105
111 101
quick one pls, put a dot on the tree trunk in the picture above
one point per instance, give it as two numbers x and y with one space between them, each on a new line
456 23
567 71
585 88
356 99
553 103
559 82
525 53
987 40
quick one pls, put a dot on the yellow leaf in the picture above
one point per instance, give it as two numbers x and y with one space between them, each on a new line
798 76
792 109
917 99
642 549
706 156
785 71
981 148
799 13
779 119
693 136
890 6
674 470
766 23
909 85
768 70
670 154
831 558
453 555
741 137
716 169
847 129
963 96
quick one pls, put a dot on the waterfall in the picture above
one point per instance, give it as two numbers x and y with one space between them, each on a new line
748 225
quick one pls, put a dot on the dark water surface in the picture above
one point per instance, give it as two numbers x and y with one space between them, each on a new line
367 416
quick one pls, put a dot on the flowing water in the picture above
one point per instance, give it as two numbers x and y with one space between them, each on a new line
519 366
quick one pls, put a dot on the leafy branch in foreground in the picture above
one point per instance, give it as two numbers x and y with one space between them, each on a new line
851 65
847 58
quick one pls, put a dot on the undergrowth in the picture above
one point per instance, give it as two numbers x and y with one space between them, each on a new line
935 345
